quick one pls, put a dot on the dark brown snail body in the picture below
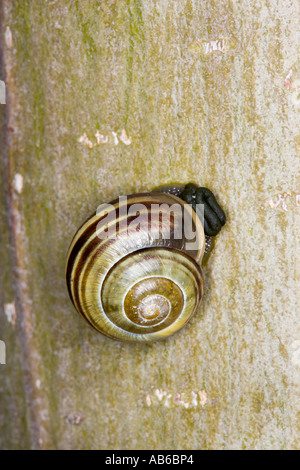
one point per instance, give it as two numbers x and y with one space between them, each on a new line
131 274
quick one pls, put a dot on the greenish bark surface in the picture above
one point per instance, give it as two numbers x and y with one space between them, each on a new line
202 91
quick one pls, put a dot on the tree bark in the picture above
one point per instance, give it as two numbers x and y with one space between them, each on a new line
105 98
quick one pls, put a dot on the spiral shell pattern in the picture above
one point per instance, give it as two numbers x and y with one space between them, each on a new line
144 283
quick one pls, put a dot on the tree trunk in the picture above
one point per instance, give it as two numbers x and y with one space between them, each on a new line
114 97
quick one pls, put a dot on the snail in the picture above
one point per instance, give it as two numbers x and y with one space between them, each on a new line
134 268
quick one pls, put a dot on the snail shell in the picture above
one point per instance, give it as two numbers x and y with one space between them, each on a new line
142 284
